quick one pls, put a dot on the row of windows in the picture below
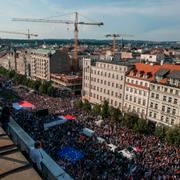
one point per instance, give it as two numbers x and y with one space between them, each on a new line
165 98
165 89
109 75
119 86
169 110
108 92
136 91
111 66
135 109
141 83
111 102
135 99
166 120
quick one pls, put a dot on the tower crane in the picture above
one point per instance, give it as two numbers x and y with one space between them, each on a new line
76 22
114 36
28 34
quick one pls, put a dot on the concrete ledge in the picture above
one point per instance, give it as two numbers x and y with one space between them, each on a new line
50 169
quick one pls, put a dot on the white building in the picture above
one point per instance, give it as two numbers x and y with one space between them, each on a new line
104 80
153 58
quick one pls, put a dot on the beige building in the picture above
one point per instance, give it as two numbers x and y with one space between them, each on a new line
136 95
164 101
153 58
45 61
104 80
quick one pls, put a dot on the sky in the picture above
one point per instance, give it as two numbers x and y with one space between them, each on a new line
156 20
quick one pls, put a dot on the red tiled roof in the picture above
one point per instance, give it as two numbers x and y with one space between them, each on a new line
146 68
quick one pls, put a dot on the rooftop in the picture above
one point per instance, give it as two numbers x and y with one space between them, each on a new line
13 164
43 51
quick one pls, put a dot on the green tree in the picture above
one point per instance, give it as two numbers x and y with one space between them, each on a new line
50 91
141 126
96 110
173 136
78 103
130 119
11 74
115 114
105 109
159 132
86 105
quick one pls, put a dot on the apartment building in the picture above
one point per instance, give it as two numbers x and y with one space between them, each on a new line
46 61
137 84
164 100
152 58
104 80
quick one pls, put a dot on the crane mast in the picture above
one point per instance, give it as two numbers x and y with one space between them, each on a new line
114 36
75 23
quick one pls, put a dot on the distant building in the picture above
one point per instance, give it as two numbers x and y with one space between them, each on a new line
152 58
45 61
126 55
72 82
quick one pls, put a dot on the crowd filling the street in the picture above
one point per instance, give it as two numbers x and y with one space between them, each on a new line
90 156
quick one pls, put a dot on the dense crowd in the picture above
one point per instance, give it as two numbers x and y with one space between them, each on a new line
157 160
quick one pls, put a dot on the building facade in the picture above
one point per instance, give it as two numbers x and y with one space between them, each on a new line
136 95
151 91
44 62
104 80
164 100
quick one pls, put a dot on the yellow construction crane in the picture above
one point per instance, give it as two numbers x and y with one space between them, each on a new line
28 34
76 22
114 36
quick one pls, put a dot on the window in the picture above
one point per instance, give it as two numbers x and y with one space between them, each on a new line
135 99
108 92
122 78
151 105
108 83
115 103
141 83
174 111
140 92
168 110
112 93
144 102
150 114
104 82
171 91
167 120
104 90
120 95
175 101
131 89
146 84
172 121
130 98
101 81
157 96
136 82
170 99
152 95
156 106
139 101
132 81
109 75
120 86
126 97
165 89
163 108
176 92
111 101
164 98
162 118
144 93
154 115
135 91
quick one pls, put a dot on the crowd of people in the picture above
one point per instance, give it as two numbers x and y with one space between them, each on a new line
157 159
